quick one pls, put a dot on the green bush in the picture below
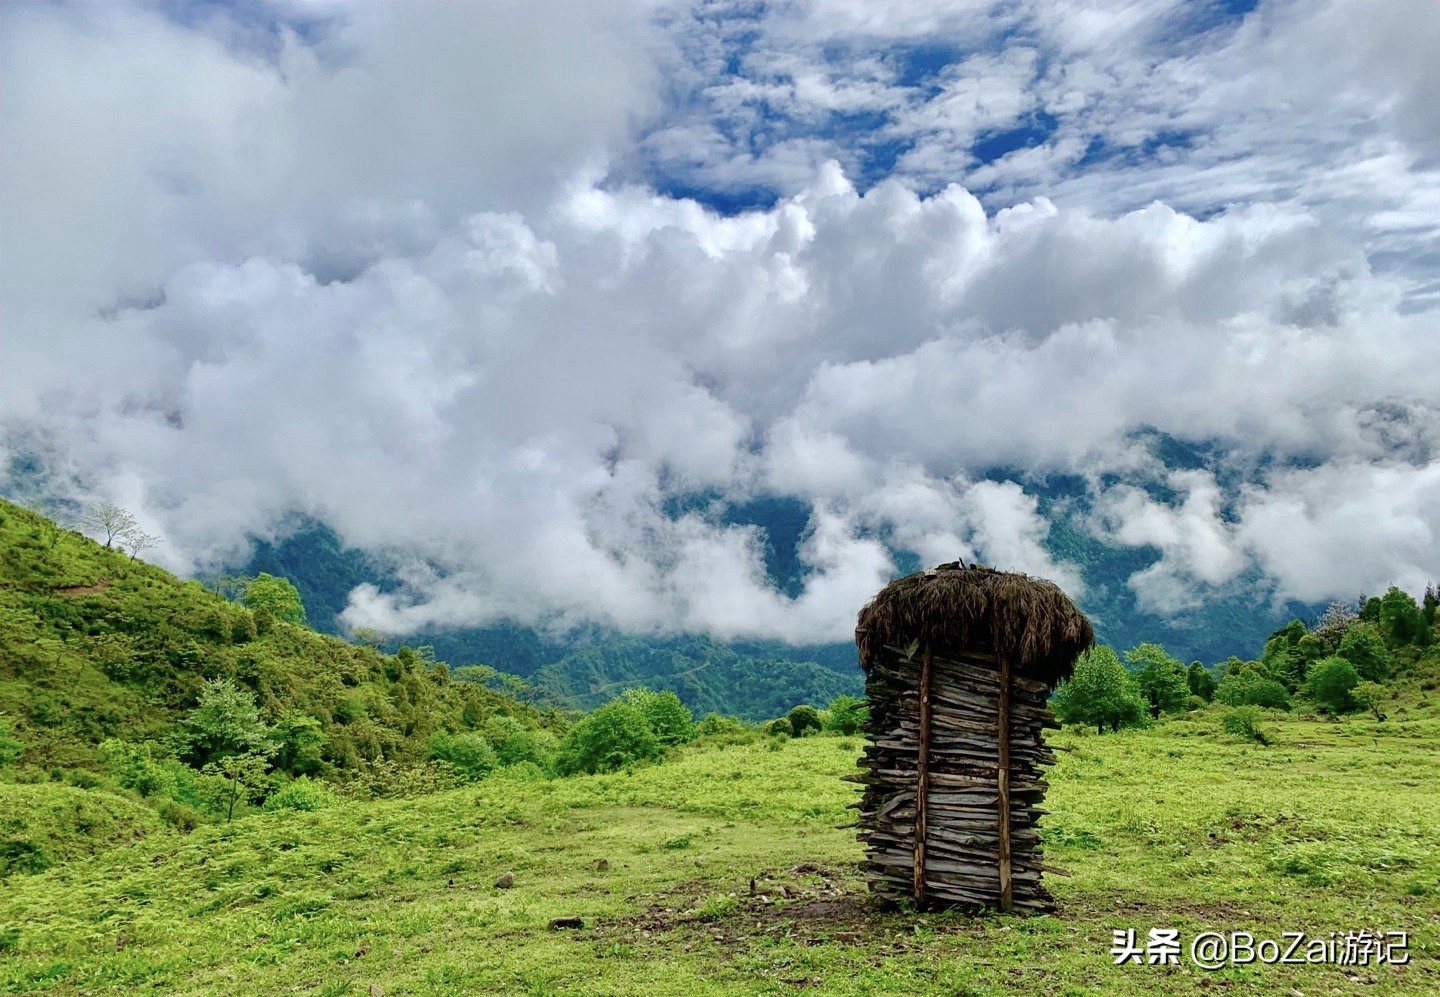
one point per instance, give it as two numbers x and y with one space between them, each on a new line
469 755
1244 722
10 747
515 743
1250 683
609 738
779 727
300 794
846 715
717 729
1330 683
803 719
668 719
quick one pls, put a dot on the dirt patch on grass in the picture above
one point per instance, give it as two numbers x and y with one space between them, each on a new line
99 586
808 904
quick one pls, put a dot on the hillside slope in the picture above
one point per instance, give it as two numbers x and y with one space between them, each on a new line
97 646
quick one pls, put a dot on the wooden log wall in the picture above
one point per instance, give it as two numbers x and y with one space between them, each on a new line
957 858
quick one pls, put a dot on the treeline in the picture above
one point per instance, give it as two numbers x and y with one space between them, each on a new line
1346 661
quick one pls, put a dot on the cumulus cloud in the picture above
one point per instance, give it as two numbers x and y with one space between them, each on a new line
397 274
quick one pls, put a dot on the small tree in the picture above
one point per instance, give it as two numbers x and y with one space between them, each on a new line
847 715
803 719
138 541
1100 692
1402 621
109 520
226 722
1331 682
1364 648
1371 696
235 778
1201 682
1250 683
469 754
1333 624
276 596
1161 679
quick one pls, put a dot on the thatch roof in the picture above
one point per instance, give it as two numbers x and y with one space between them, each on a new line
954 607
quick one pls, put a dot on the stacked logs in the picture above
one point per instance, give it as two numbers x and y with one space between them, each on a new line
956 742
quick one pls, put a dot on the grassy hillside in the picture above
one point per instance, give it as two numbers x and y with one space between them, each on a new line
103 660
1332 828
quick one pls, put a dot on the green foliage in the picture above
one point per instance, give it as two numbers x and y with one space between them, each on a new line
226 722
1250 683
715 729
846 715
803 720
1401 620
1099 693
234 780
140 767
1200 681
96 649
1371 696
468 754
301 794
779 727
611 737
1161 679
1364 647
1331 683
276 596
667 718
517 744
1244 722
11 747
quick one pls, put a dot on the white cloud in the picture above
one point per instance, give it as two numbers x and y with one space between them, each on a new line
380 273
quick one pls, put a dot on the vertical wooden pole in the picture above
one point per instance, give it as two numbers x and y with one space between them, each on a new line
922 781
1002 780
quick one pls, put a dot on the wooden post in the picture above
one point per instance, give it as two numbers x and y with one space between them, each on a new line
1002 780
922 780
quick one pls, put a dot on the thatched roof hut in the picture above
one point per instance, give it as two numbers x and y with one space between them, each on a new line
959 661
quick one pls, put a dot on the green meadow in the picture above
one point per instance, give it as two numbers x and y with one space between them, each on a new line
725 870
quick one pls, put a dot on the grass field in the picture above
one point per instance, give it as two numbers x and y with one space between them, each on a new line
1335 827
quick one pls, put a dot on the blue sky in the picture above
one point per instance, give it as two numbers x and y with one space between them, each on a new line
488 287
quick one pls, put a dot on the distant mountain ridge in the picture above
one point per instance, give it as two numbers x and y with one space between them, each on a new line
761 679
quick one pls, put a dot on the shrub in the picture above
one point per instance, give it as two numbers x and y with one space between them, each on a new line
1244 722
721 730
847 715
469 755
1250 683
515 743
1330 683
779 727
300 794
668 719
610 737
1364 647
10 747
178 815
803 719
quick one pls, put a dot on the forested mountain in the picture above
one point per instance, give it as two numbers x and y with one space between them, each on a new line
760 680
